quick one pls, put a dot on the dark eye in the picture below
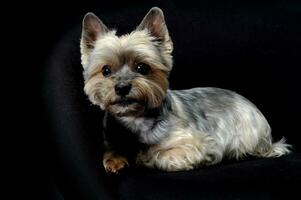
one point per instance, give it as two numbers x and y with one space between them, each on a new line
106 70
143 68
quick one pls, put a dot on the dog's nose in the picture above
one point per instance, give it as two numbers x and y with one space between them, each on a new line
122 89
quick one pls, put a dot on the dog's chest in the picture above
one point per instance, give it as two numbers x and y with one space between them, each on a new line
138 125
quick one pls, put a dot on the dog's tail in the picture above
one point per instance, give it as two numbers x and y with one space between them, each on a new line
277 149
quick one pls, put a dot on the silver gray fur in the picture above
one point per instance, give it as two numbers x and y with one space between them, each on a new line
234 126
204 109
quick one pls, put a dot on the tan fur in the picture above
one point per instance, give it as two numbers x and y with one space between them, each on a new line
114 162
127 50
99 89
148 91
181 151
137 45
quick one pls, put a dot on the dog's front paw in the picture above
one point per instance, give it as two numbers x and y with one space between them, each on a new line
113 163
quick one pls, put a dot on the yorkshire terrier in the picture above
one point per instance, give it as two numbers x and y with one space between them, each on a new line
176 130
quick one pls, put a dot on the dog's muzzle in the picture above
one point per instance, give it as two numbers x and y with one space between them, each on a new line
122 89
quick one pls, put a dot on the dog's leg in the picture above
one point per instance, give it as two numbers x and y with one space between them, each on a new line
113 162
182 151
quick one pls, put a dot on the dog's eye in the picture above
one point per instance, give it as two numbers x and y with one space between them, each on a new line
106 70
143 68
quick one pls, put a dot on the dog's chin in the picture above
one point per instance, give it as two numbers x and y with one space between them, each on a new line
126 107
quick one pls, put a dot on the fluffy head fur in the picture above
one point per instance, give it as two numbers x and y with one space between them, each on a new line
149 44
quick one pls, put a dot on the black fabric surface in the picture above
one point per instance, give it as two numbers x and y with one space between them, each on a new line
250 179
252 48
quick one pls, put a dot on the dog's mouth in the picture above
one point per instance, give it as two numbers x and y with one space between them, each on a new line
126 107
127 102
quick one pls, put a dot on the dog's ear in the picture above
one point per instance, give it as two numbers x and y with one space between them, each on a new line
154 22
92 28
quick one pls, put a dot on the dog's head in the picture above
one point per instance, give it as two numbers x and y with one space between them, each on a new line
127 74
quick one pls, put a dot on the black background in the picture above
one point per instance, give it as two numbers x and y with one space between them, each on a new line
251 47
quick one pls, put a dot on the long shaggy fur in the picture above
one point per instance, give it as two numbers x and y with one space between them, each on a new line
182 129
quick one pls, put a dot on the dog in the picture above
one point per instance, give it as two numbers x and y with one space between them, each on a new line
174 130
